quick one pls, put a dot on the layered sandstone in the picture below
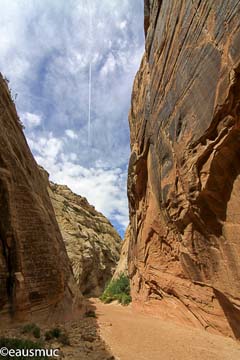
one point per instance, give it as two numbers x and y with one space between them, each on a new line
184 182
92 243
35 273
122 266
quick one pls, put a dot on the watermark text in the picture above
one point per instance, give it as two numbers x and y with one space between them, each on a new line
4 351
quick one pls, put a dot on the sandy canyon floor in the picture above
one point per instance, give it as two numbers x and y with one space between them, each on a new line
120 333
135 336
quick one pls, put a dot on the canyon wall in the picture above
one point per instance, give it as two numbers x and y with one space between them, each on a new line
92 243
122 266
35 274
184 169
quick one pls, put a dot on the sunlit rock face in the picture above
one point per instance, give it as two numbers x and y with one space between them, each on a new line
184 182
122 266
92 243
35 274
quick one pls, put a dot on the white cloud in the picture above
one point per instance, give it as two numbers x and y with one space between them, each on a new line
71 134
31 120
104 187
47 147
109 65
122 25
45 53
73 157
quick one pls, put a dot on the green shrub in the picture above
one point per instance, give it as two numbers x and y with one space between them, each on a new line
32 329
118 289
29 328
125 299
37 332
54 333
20 344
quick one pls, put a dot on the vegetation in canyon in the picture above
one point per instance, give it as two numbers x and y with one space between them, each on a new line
117 289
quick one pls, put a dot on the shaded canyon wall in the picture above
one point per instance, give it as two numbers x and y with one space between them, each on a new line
35 274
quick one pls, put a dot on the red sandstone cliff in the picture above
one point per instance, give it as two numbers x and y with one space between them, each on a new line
184 170
35 274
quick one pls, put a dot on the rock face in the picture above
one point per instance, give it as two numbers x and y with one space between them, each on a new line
35 274
184 170
122 266
92 243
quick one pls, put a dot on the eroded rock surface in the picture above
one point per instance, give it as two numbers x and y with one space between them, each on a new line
184 170
122 266
92 243
35 274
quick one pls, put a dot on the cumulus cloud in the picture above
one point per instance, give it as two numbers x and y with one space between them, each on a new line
46 147
122 25
31 120
71 134
102 186
109 65
46 50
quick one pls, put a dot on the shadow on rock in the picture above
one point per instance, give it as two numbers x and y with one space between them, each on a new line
76 339
84 336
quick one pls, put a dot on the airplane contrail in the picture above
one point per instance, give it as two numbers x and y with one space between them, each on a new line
89 102
90 75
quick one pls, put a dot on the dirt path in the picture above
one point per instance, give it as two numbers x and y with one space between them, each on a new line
134 336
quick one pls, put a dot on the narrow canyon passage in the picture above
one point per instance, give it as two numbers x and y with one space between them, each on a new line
135 336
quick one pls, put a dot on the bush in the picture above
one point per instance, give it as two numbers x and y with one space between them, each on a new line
20 344
37 332
125 299
32 329
29 328
54 333
118 289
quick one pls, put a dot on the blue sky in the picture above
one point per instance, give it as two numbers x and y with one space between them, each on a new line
45 51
